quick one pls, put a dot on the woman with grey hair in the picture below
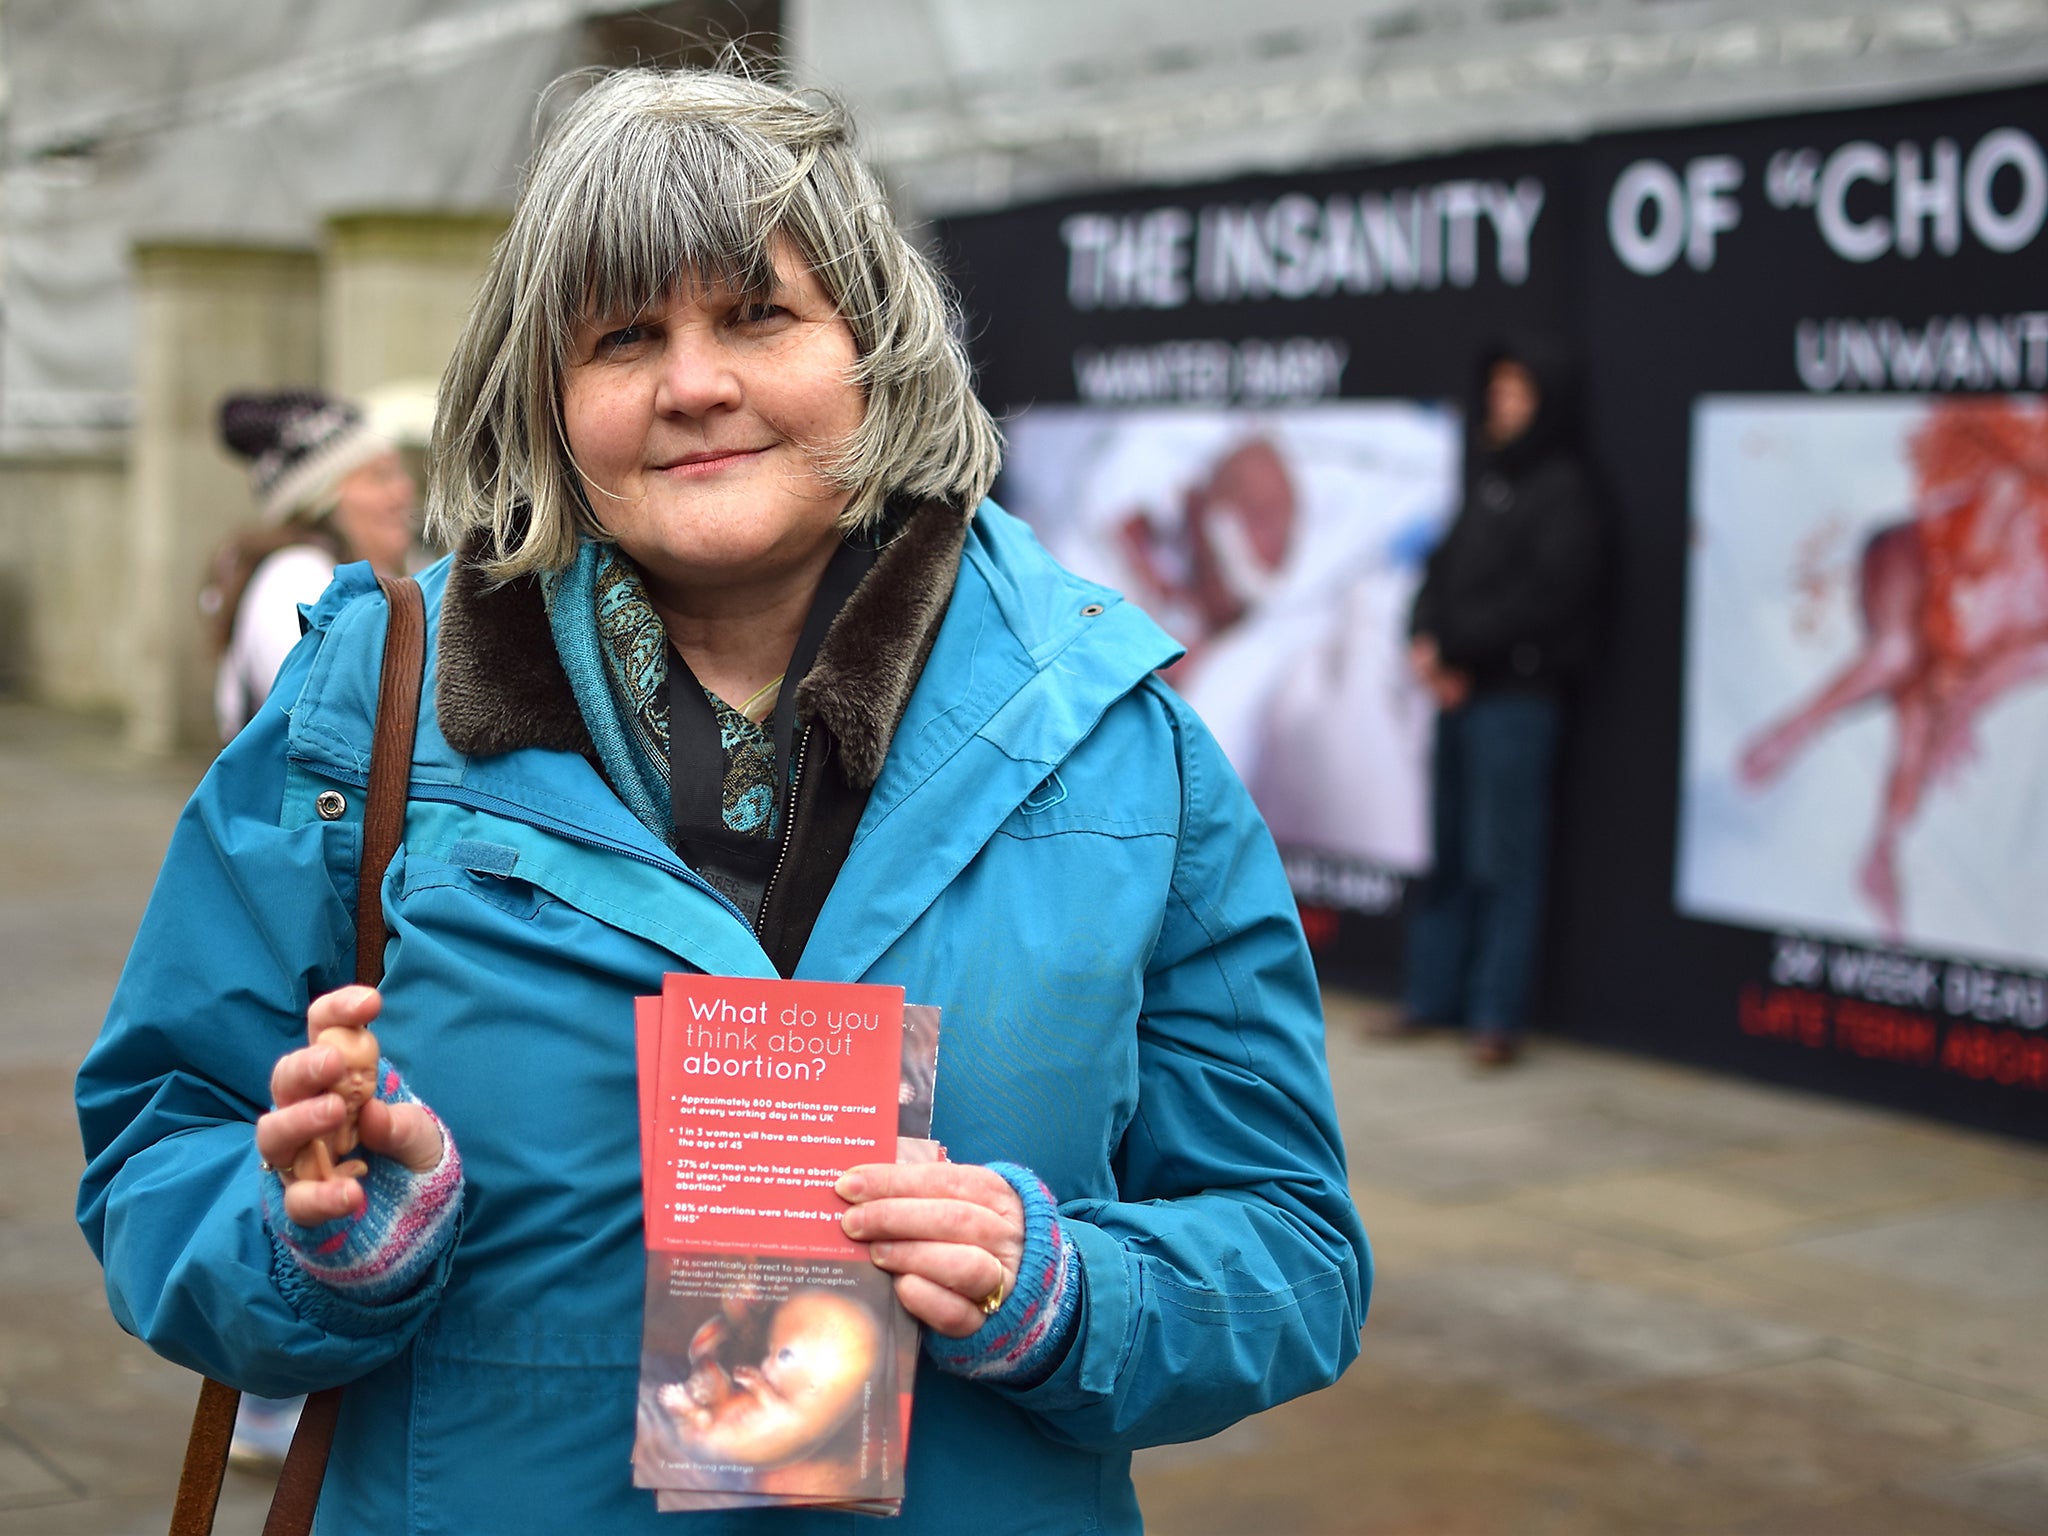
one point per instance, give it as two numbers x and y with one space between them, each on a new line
734 669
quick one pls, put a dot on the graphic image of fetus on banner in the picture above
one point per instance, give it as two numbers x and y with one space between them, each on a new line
1282 548
1866 715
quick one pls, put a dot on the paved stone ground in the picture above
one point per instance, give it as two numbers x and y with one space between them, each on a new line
91 1424
1616 1296
1613 1296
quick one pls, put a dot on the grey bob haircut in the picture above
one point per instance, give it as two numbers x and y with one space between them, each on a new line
653 180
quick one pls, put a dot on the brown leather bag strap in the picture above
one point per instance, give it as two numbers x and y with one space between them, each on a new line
206 1459
398 714
305 1467
213 1421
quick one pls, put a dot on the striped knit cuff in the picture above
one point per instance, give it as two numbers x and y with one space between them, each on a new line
381 1254
1028 1336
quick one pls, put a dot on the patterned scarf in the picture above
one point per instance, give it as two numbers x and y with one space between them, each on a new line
615 651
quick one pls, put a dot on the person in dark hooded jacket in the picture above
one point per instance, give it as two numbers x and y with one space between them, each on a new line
1503 619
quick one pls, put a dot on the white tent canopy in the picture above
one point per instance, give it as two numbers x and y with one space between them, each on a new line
217 120
976 104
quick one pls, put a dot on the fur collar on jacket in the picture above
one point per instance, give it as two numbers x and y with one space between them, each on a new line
499 685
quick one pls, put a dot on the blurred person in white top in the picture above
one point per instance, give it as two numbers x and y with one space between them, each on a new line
329 490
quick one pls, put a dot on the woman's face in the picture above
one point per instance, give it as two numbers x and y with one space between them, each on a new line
700 429
374 511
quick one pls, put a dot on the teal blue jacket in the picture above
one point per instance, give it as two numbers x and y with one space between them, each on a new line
1056 852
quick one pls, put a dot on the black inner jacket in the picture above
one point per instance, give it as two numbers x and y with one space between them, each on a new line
1510 594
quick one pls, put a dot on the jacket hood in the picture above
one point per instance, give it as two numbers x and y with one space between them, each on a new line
1555 370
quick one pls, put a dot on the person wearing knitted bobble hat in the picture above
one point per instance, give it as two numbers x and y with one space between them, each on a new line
328 490
733 669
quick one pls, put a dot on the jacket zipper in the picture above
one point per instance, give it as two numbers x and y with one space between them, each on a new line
796 780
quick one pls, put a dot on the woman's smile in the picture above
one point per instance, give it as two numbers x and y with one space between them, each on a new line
709 461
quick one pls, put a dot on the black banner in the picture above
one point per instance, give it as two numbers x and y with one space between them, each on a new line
1392 276
1815 349
1805 821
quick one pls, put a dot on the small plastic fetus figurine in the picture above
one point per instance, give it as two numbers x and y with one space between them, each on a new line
318 1159
818 1351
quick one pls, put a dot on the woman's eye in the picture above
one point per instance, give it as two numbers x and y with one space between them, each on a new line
784 1355
624 336
758 313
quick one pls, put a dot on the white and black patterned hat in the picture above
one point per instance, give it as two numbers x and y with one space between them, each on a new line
300 444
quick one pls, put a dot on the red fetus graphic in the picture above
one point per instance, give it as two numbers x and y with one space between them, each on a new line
1225 555
1954 607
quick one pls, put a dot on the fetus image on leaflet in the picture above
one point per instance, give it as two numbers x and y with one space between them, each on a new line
772 1381
321 1158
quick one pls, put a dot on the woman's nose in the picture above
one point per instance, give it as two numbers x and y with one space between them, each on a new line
696 374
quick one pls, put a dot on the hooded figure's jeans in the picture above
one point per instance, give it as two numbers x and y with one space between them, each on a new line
1475 920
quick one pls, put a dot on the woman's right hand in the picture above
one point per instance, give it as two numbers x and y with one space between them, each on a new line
301 1089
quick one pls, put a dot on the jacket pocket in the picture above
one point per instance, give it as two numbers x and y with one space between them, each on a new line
516 1429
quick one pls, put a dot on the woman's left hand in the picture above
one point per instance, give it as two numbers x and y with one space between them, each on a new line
951 1233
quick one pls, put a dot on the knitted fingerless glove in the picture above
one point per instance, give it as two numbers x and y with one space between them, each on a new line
381 1254
1028 1336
